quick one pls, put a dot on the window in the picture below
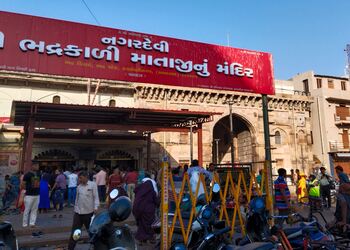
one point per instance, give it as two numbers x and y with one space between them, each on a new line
342 112
330 84
112 103
278 137
56 99
343 85
306 86
319 83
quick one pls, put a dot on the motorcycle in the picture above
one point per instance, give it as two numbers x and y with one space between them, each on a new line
307 233
206 231
103 234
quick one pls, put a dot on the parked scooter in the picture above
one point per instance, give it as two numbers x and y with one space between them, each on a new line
258 229
305 232
103 234
8 238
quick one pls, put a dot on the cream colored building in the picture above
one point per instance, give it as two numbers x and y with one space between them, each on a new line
289 117
330 117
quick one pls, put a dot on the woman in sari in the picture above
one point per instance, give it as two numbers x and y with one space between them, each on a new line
145 204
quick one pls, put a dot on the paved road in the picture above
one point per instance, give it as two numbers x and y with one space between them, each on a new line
56 230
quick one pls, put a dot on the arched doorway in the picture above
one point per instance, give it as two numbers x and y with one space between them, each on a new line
113 158
55 158
243 142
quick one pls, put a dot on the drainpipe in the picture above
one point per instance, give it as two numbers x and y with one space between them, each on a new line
320 127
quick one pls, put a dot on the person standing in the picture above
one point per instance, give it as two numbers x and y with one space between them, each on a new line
302 190
343 178
194 174
72 187
325 186
292 176
60 189
31 182
259 178
146 202
131 181
314 191
100 179
44 203
282 195
15 184
115 180
86 204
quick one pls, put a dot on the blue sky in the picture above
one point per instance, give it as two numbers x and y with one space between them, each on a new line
302 35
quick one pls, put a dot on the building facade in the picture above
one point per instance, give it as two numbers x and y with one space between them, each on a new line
290 124
330 121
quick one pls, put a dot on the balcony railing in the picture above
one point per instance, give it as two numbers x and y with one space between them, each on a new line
337 146
341 120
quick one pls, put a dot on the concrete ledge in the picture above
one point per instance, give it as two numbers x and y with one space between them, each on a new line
48 240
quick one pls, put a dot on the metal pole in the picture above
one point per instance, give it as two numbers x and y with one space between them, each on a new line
217 150
231 136
149 143
191 142
267 152
164 205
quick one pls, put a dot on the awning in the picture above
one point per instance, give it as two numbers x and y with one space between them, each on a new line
342 155
50 115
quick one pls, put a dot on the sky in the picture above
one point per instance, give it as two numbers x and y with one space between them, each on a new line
301 35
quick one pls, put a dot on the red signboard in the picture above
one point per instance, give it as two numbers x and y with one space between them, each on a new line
42 45
4 119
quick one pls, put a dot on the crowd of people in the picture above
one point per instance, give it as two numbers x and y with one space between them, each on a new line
314 190
85 190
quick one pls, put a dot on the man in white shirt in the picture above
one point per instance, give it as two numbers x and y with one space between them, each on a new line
72 187
100 179
325 186
86 204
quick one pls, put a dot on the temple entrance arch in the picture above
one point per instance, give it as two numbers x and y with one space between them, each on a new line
55 158
113 158
242 139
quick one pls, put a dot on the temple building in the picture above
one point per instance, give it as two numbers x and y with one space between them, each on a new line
289 116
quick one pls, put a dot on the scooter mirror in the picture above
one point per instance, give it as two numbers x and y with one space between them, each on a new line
76 234
216 188
114 194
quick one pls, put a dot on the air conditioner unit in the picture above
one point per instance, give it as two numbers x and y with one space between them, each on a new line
337 118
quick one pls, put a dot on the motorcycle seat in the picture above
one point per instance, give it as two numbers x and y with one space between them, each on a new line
5 226
219 224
